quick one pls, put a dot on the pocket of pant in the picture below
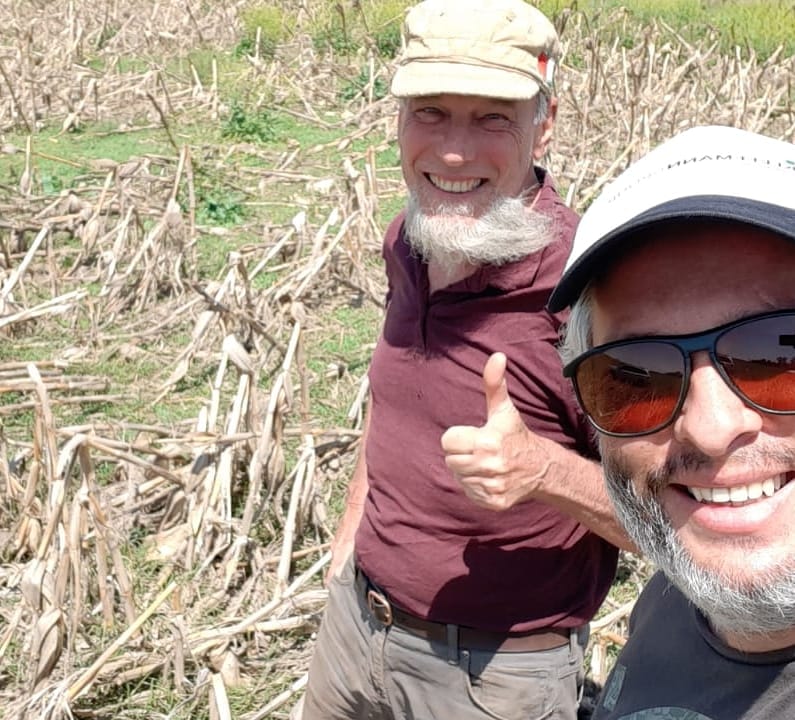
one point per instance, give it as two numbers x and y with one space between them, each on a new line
348 574
505 687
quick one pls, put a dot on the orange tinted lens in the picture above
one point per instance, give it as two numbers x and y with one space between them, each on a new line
631 388
759 358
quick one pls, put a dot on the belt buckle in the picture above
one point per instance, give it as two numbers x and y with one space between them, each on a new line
380 608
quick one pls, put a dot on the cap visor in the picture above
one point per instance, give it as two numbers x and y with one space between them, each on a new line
417 78
594 261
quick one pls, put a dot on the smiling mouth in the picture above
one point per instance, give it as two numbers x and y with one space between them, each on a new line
739 494
454 186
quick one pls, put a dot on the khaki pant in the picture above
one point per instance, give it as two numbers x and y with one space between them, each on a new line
362 670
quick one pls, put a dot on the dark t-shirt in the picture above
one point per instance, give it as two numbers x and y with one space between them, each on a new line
674 666
435 552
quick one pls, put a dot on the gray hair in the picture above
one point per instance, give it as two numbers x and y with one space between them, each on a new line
542 108
577 334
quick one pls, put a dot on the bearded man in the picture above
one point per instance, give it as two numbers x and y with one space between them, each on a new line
681 346
477 542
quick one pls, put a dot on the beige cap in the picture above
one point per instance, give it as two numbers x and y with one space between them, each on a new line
493 48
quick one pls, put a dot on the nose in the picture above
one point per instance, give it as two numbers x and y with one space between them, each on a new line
714 419
456 146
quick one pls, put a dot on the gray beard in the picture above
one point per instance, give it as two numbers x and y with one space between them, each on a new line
765 606
449 235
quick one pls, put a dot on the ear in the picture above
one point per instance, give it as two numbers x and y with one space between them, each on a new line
544 130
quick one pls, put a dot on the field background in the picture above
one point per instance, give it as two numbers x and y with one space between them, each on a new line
192 196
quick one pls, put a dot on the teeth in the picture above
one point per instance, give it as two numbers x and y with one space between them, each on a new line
455 186
738 493
720 495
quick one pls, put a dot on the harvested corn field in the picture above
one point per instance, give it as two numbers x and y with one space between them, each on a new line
192 197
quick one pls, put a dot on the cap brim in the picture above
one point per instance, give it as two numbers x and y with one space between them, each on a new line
417 78
594 260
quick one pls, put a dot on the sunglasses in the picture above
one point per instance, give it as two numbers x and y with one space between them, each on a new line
636 387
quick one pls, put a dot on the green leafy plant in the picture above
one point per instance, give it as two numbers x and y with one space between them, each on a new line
334 37
358 87
221 209
270 23
759 24
107 33
384 19
258 125
387 41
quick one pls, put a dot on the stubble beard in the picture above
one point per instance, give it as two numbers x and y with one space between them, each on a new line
450 235
734 607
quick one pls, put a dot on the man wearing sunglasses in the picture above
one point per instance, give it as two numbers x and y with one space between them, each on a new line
681 348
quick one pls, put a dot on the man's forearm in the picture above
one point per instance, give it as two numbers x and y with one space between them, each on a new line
576 486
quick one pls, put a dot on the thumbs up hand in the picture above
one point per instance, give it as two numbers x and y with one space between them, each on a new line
500 463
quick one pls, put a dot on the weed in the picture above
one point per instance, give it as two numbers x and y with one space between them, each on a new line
389 207
60 161
384 20
217 209
272 25
761 25
358 87
242 125
376 24
106 35
205 62
264 280
334 37
757 24
218 204
50 184
339 356
387 41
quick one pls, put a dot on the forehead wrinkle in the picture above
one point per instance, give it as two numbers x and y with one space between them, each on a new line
732 315
698 279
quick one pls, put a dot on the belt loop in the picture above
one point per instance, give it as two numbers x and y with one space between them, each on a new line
452 644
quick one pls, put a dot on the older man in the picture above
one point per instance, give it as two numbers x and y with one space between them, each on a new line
440 607
682 350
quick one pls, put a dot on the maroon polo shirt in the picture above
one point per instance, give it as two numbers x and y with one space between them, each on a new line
430 548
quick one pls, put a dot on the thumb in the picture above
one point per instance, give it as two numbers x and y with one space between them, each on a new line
495 386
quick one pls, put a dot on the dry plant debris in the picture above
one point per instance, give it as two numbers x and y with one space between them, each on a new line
143 557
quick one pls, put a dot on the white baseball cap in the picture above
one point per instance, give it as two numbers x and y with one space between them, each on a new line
708 172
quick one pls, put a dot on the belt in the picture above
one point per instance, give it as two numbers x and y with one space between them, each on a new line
388 614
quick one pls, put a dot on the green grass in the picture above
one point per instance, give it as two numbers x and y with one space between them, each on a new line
389 208
339 354
341 28
375 24
355 331
258 124
359 87
759 24
63 160
272 24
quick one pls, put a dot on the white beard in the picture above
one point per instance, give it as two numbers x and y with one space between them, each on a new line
450 236
765 606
